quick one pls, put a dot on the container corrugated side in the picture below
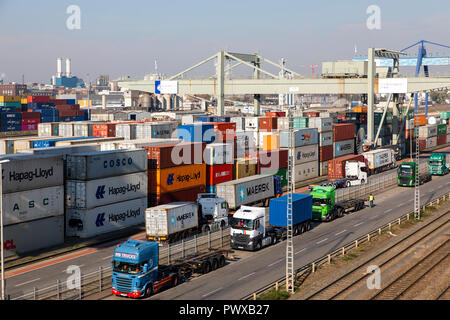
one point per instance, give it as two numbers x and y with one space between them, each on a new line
86 223
378 158
64 150
306 171
306 154
167 219
100 192
176 178
301 210
342 148
302 137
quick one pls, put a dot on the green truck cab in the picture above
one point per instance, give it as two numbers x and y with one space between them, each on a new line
323 202
406 175
437 164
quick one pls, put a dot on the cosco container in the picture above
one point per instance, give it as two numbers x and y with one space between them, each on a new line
176 178
306 154
32 204
100 192
306 171
301 210
218 153
33 235
28 172
342 148
167 219
86 223
302 137
96 165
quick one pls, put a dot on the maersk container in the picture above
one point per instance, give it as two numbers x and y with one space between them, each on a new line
167 219
100 192
379 158
306 171
32 204
306 154
65 129
126 130
96 165
33 235
28 172
48 129
301 210
302 137
342 148
86 223
246 190
218 153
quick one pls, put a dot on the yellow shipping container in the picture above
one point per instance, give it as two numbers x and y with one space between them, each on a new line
10 98
359 109
84 103
176 178
245 168
271 142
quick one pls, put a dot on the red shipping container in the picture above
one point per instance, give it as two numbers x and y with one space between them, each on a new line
165 156
343 131
336 167
67 113
273 159
57 102
224 131
189 194
31 121
29 127
441 139
104 130
66 107
32 99
311 114
325 153
31 115
218 174
275 114
268 123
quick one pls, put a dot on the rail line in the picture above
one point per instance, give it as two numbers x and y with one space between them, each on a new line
347 281
444 295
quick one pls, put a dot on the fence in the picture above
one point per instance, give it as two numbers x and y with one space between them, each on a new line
312 267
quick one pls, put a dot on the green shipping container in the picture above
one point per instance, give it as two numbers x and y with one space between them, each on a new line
282 173
17 105
300 122
445 115
441 129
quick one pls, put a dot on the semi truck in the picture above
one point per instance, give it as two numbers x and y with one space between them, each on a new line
380 160
406 175
136 272
250 190
178 220
355 174
439 163
325 207
253 228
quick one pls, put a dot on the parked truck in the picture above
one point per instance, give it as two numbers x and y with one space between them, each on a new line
380 160
178 220
136 272
325 207
355 174
250 190
406 174
439 163
251 229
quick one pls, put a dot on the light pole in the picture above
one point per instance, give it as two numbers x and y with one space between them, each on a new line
2 245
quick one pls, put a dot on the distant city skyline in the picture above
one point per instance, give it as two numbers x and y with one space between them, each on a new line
125 38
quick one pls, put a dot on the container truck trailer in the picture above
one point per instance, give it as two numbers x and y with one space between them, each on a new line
380 160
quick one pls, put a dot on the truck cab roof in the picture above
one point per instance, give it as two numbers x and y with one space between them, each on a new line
251 213
322 192
134 250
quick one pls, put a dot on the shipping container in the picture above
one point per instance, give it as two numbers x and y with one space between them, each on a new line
148 130
198 132
306 154
426 143
27 237
326 139
176 178
65 129
252 123
322 124
302 137
86 223
343 131
218 173
342 148
218 153
323 168
325 153
245 168
282 173
38 99
168 219
48 129
275 114
96 165
441 129
224 131
65 150
143 143
268 123
379 158
83 129
189 194
104 130
126 130
428 131
171 155
301 210
271 141
306 171
273 160
28 172
32 204
300 122
10 99
336 167
448 137
239 121
283 123
100 192
245 144
420 120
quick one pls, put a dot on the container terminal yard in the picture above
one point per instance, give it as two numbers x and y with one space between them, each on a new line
269 186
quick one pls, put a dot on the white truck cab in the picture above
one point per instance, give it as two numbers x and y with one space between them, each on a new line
356 172
213 210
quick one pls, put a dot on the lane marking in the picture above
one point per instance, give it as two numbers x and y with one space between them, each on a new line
212 292
322 241
21 284
273 263
109 257
358 224
389 210
340 232
300 251
242 278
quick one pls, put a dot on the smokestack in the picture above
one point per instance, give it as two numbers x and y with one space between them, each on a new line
58 67
68 75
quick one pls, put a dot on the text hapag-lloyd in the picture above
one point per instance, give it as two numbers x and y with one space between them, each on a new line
31 175
124 215
124 189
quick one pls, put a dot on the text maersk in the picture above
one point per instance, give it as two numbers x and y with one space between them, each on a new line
31 175
125 189
124 215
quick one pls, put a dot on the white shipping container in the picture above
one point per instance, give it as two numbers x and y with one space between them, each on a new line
28 172
64 150
126 130
306 154
283 123
65 129
100 192
428 131
261 136
245 143
379 158
322 124
137 144
32 204
430 142
148 130
48 129
325 138
409 124
167 219
323 168
240 122
306 171
83 129
33 235
252 123
86 223
342 148
187 119
218 153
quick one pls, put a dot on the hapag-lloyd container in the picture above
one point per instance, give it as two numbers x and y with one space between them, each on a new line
343 131
149 130
167 219
342 148
28 172
100 192
86 223
218 153
176 178
96 165
219 173
322 124
306 154
33 235
175 154
32 204
306 171
302 137
325 138
252 123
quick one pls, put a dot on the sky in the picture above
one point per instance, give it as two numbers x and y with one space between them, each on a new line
126 37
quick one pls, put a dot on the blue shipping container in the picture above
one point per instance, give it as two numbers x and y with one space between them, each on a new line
10 115
45 143
70 101
198 132
8 109
301 210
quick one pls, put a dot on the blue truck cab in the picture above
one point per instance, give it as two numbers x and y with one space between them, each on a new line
135 270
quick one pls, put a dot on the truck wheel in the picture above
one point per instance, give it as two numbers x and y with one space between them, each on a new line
348 184
206 267
363 181
214 264
148 290
274 239
258 245
205 229
221 261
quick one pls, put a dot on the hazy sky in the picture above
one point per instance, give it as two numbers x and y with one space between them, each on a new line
125 37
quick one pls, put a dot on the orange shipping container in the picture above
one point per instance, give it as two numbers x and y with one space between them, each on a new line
420 120
271 142
360 109
176 178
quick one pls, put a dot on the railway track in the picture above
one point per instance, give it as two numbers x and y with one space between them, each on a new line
444 295
358 275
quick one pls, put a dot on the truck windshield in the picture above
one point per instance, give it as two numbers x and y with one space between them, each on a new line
244 224
406 171
318 202
124 267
